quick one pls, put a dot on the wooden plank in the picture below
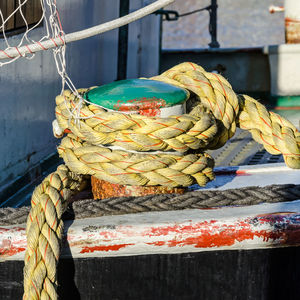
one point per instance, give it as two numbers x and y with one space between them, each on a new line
7 7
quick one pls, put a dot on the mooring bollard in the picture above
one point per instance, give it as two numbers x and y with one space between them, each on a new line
144 97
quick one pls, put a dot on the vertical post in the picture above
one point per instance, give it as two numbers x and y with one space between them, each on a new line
123 42
213 24
292 21
160 42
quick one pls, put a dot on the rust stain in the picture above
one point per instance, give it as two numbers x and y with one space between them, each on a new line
102 190
292 31
105 248
144 106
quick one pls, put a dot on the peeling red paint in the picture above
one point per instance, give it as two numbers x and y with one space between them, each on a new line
224 238
278 217
210 234
186 229
157 243
108 234
262 230
2 229
11 251
106 248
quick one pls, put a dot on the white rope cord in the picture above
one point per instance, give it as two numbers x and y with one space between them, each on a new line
79 35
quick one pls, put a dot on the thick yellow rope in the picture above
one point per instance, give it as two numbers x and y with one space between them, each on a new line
180 141
211 122
136 169
44 232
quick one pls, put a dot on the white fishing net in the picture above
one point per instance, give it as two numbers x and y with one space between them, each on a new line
53 32
55 38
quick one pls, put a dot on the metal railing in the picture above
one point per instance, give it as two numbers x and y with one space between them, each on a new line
173 15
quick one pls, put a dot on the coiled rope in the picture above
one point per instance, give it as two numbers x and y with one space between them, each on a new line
150 151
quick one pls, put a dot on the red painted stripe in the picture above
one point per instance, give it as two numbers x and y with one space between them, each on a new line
287 107
106 248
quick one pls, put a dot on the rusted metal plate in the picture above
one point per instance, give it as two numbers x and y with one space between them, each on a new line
103 189
292 30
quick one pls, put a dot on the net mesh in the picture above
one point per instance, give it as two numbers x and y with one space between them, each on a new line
52 30
55 38
49 18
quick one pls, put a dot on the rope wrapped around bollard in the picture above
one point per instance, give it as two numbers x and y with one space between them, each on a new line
134 149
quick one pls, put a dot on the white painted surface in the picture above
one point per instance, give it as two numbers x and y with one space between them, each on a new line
192 230
256 175
284 67
28 88
292 9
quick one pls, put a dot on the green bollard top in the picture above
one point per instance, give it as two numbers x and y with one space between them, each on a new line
144 96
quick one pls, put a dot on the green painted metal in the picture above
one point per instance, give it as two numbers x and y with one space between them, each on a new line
288 101
136 95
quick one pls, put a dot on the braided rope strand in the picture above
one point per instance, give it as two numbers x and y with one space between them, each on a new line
211 122
91 208
44 231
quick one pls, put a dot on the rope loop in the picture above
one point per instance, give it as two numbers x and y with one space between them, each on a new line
133 149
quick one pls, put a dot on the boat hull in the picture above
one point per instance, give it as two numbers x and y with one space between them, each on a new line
235 274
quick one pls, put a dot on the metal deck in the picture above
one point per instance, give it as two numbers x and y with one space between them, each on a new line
243 150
